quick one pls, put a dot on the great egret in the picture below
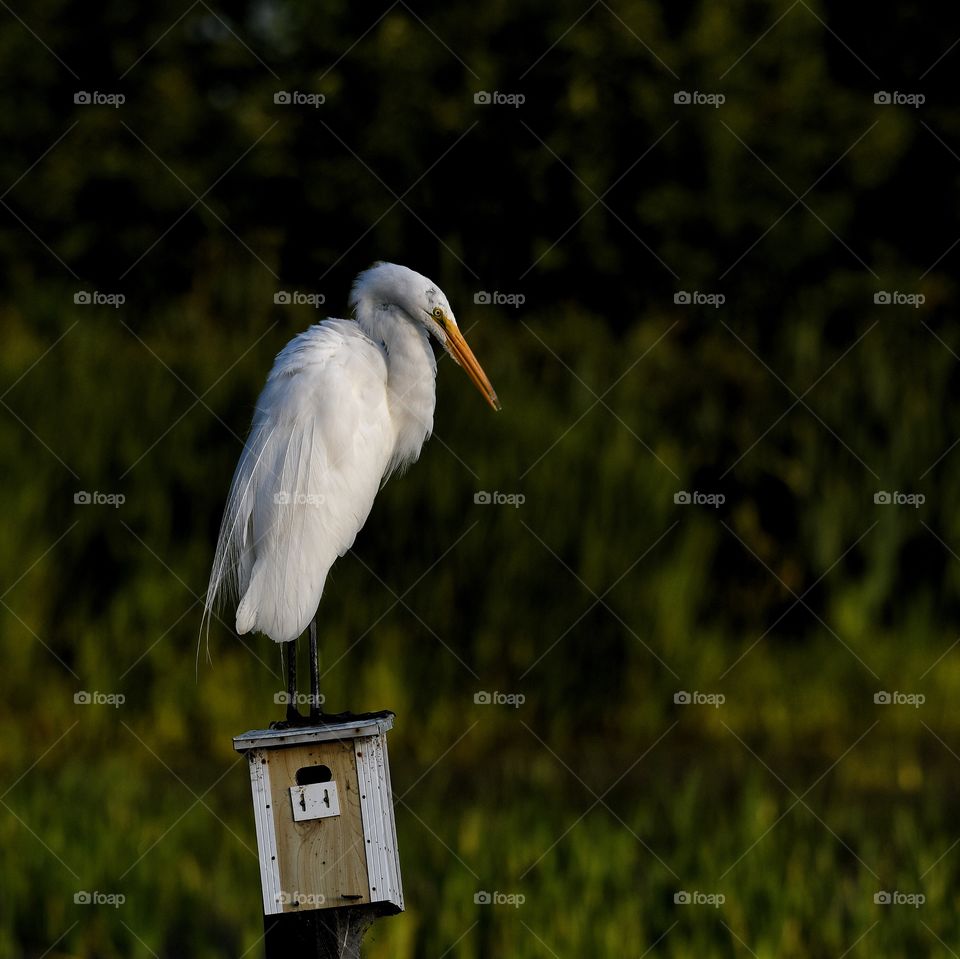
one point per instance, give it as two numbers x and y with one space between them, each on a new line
345 405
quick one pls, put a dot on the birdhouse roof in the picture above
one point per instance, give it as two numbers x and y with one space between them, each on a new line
343 726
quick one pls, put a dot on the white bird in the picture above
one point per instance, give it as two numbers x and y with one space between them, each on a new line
346 404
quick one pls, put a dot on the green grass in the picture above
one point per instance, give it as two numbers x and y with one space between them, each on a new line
595 842
599 798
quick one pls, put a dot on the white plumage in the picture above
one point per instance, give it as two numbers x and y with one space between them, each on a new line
346 403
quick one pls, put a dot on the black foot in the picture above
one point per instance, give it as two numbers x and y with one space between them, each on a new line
324 719
295 719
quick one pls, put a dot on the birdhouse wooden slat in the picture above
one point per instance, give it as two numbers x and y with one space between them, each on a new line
323 809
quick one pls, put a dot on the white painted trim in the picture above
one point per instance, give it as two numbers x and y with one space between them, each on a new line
397 898
379 829
266 834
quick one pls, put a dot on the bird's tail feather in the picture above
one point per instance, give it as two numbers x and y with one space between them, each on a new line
232 562
274 513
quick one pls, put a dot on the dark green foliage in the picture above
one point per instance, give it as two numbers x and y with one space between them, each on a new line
599 598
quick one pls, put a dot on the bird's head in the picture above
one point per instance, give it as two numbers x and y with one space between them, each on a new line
391 286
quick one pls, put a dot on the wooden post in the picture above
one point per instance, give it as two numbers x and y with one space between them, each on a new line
319 933
326 835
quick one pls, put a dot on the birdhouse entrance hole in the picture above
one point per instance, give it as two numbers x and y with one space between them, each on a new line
308 775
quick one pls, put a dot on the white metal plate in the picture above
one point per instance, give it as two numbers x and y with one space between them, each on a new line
314 801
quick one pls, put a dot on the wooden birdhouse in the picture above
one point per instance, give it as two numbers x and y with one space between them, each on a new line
323 806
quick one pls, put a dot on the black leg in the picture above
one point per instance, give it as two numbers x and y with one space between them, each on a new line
315 711
293 715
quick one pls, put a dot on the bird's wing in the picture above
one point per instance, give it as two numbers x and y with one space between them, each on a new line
321 440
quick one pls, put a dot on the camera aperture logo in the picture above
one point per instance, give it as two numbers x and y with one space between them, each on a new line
97 898
897 698
485 98
284 498
299 298
698 498
84 697
697 898
898 298
697 98
496 898
84 497
96 298
297 98
696 698
699 298
896 498
897 98
87 98
496 698
897 898
496 498
283 698
312 900
496 298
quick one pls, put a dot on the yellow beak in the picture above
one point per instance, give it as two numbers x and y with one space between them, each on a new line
463 355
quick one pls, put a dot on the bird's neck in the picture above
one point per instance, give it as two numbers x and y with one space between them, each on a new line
411 376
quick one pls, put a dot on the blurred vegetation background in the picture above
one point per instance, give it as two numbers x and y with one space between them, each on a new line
797 600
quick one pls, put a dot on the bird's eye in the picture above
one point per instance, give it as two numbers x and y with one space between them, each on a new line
438 312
